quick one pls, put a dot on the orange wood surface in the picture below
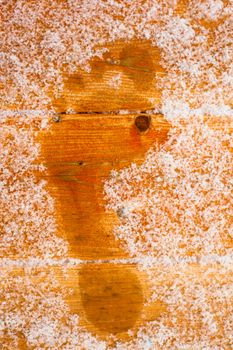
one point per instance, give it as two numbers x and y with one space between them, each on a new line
79 151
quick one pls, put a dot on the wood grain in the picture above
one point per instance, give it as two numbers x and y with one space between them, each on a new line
80 151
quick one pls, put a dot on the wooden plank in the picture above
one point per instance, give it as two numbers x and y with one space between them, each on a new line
110 298
79 152
107 297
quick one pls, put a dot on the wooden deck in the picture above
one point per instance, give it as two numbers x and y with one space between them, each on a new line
79 150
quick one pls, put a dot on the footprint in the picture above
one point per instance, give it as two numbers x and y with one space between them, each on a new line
111 296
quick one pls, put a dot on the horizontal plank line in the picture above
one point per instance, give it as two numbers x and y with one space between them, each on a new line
121 112
144 262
